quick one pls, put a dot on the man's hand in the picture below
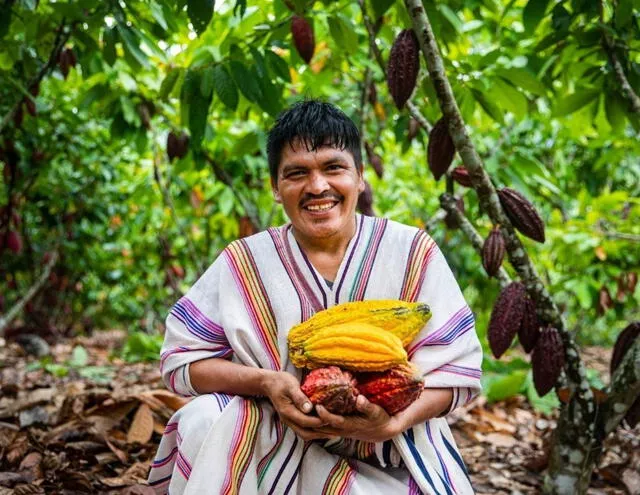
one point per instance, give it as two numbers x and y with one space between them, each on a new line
283 390
373 424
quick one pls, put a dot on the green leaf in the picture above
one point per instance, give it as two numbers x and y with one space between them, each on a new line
615 109
169 82
509 98
5 18
200 13
246 81
524 79
109 38
380 7
574 102
343 33
241 5
277 66
488 106
131 44
196 107
499 387
225 201
206 85
79 357
158 14
225 87
533 13
451 16
624 13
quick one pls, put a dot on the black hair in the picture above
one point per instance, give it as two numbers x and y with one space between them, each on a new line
316 124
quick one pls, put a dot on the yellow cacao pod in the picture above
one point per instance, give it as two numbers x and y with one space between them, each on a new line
352 346
403 319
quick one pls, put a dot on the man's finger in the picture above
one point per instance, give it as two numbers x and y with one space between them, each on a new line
333 420
302 402
293 415
369 409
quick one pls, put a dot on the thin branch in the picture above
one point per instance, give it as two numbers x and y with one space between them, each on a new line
489 201
33 290
621 235
448 203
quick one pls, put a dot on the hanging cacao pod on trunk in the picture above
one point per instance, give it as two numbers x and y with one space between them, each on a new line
414 128
604 300
506 317
374 159
522 213
529 329
493 251
334 389
303 37
393 390
547 360
403 67
440 150
365 201
461 176
373 93
623 343
14 241
177 145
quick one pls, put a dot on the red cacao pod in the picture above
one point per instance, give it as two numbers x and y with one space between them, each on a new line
374 159
440 151
461 176
605 302
493 251
522 213
332 388
14 241
393 390
177 270
403 67
547 360
506 317
529 329
303 37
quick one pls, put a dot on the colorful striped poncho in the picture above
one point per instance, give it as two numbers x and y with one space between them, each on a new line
242 308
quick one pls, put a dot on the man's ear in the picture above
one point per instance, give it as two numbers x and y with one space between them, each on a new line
276 194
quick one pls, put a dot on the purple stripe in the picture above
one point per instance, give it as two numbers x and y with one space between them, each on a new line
315 277
200 316
311 296
459 370
346 267
195 327
454 328
370 257
309 303
283 465
183 465
161 481
295 474
164 460
442 464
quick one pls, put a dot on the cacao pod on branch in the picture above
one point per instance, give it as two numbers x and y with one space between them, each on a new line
547 360
522 213
403 67
461 176
374 159
303 37
493 251
440 150
529 329
506 317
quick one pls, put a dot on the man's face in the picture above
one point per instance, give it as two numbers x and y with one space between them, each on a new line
318 190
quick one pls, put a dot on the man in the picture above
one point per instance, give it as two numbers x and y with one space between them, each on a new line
251 429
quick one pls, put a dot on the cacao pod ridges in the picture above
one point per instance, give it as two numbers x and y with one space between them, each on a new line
547 360
334 389
493 251
506 317
440 150
461 176
403 67
522 214
393 390
303 37
529 329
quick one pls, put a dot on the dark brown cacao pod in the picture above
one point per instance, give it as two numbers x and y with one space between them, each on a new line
177 145
522 213
332 388
374 159
529 329
493 251
393 390
365 201
461 176
66 60
440 151
623 343
547 360
403 67
604 300
506 317
413 129
303 37
449 220
373 93
14 241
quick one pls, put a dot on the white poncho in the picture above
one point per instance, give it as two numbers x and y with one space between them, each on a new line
242 308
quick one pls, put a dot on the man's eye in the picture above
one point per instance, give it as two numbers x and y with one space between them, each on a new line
295 173
334 167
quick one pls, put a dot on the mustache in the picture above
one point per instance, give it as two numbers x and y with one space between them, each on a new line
311 197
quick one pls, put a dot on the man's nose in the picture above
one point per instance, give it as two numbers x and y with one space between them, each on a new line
317 183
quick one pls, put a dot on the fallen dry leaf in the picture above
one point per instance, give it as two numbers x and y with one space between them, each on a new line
141 427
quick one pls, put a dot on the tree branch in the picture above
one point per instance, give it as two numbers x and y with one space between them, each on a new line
33 290
489 202
624 389
448 203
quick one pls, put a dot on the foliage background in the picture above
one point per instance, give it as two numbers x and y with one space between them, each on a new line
135 230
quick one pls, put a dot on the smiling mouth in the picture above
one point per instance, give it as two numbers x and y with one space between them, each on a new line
322 207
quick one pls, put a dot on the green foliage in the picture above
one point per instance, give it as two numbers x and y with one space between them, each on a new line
135 230
76 364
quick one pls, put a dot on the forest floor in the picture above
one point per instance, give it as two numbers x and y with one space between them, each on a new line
90 423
